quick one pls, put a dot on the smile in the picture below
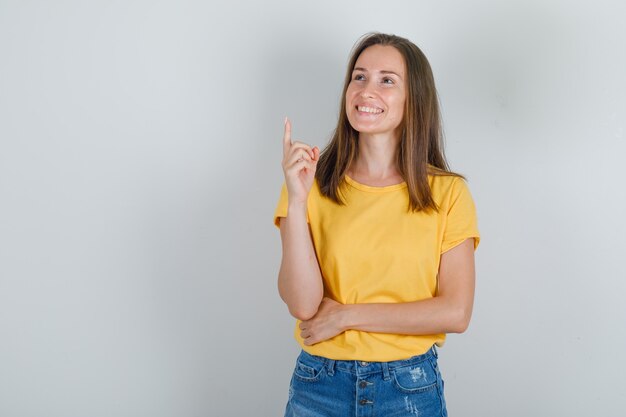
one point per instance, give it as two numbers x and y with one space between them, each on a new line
372 110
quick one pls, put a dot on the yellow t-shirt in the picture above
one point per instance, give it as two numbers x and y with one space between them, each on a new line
372 250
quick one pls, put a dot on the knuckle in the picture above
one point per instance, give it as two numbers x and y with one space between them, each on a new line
301 145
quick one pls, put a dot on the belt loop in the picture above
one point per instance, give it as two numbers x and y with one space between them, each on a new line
385 366
331 367
433 350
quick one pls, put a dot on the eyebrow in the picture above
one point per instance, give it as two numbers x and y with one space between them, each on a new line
381 71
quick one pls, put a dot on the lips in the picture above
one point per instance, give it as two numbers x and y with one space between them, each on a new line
369 109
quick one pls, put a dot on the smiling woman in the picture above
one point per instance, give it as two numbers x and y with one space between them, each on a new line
376 94
378 240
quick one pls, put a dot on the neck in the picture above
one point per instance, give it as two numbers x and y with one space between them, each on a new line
377 156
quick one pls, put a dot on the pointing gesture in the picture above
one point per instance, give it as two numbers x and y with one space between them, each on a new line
299 165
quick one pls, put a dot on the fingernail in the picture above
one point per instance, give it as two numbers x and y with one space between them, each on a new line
285 119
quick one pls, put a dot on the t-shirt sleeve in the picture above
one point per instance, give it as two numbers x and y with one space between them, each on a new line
461 219
282 206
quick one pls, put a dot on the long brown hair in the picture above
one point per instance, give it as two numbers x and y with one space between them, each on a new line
421 141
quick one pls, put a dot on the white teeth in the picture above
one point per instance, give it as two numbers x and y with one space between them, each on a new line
369 109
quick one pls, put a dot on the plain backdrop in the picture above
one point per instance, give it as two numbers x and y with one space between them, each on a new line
140 150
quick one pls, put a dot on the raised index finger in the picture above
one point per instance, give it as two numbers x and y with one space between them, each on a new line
287 137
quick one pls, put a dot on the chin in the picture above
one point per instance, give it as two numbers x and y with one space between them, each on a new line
372 130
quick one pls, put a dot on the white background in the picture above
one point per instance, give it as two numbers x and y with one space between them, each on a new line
140 149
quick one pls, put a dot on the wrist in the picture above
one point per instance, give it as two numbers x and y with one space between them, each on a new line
300 206
349 316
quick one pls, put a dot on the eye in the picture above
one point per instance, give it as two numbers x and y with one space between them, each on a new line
388 80
359 77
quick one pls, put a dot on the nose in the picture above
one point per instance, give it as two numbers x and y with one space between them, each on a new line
367 91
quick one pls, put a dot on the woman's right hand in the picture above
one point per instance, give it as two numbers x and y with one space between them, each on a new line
299 165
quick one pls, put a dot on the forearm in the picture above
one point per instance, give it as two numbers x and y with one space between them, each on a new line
431 316
299 279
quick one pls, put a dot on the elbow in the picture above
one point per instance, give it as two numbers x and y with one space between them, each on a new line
460 327
302 306
461 321
302 314
299 310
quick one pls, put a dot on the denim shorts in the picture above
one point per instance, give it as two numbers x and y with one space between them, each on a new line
322 387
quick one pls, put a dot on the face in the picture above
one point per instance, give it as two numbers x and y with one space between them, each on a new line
377 91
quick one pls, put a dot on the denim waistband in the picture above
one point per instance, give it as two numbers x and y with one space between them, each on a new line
365 367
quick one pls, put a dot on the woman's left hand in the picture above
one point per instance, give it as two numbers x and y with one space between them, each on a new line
327 322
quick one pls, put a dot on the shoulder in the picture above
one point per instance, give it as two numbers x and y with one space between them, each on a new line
444 183
450 190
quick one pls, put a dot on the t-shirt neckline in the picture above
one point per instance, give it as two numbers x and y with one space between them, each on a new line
372 189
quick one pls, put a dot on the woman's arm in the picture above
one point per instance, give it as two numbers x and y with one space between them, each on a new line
299 279
448 312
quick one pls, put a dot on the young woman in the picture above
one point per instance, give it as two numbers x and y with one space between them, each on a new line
378 239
